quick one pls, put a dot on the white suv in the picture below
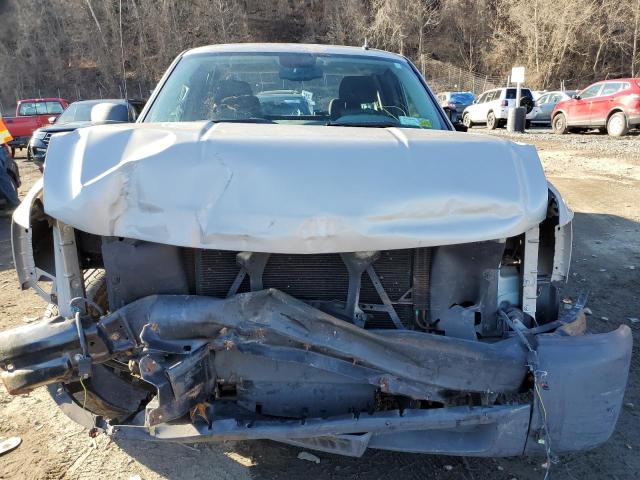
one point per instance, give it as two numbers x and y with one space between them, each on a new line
492 107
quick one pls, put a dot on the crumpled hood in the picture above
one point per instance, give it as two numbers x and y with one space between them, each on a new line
292 188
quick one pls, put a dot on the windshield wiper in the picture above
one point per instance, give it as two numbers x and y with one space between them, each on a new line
243 120
363 124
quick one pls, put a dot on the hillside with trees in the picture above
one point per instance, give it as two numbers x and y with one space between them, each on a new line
105 48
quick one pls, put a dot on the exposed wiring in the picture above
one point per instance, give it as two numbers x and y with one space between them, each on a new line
84 402
538 377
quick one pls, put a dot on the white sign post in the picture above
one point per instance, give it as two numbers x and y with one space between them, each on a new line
516 119
517 76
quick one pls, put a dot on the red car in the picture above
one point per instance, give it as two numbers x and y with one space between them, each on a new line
611 105
31 114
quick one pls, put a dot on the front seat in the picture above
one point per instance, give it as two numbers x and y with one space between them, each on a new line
233 99
354 91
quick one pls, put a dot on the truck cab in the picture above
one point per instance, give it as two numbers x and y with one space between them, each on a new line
31 114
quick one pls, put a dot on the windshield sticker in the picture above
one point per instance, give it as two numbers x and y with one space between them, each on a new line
414 122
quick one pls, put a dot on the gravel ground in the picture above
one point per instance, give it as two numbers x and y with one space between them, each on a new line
599 181
592 141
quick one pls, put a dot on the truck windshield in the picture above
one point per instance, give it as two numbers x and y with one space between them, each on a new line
300 88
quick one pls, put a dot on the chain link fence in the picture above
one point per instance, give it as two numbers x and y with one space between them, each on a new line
139 90
444 77
441 76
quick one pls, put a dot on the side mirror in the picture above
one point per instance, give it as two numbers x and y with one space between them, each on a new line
576 97
51 119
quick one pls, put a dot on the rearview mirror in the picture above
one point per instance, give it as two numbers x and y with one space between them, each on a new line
300 74
299 67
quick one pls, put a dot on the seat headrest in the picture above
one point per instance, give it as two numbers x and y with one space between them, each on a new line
110 112
358 89
230 88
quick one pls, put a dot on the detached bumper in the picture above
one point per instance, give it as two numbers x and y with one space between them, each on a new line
586 377
297 371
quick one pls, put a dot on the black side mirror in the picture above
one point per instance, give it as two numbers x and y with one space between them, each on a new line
576 97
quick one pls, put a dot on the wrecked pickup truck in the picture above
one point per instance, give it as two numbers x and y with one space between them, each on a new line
357 277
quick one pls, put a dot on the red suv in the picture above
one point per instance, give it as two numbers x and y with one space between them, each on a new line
611 105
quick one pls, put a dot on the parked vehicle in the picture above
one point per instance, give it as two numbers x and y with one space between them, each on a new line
31 114
536 94
611 105
361 277
492 107
545 104
9 178
454 103
82 114
284 103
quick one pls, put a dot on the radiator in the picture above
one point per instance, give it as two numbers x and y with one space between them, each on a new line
322 277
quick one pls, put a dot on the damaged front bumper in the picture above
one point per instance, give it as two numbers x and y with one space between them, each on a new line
264 365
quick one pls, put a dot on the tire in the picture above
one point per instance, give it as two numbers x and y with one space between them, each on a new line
466 120
527 103
527 124
617 125
95 285
559 124
492 122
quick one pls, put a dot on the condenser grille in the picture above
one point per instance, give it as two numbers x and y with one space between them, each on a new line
308 277
317 277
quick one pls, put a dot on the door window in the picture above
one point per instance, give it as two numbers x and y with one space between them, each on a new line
482 98
610 88
54 108
543 99
591 91
27 108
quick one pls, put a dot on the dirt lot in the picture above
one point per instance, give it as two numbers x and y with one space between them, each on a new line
599 177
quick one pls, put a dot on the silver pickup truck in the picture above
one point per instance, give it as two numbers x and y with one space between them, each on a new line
346 276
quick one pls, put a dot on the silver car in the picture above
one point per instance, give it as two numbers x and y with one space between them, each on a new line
545 104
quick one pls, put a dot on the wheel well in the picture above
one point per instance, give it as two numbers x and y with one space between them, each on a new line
614 111
555 114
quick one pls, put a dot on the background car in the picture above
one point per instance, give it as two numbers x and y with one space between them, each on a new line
81 114
31 114
454 103
611 105
545 104
492 107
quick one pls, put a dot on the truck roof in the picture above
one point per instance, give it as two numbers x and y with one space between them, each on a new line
292 48
47 99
